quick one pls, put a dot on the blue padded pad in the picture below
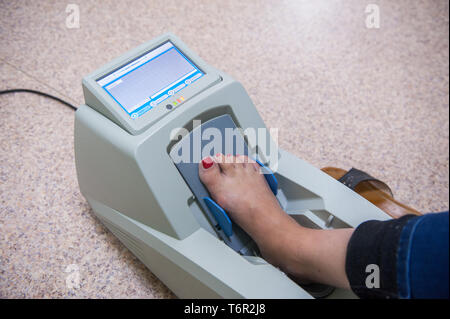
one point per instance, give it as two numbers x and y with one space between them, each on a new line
270 177
220 215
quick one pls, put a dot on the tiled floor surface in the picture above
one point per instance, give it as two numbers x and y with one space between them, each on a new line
342 95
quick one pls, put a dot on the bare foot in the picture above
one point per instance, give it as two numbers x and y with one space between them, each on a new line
236 184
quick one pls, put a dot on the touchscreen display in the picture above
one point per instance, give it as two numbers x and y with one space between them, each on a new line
145 82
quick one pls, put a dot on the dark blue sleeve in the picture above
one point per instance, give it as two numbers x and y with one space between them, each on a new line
410 253
422 265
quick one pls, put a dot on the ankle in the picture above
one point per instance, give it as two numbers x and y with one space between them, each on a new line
282 244
267 223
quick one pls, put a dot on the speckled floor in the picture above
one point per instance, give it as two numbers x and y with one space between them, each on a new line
342 95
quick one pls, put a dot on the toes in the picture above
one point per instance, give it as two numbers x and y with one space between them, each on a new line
209 172
247 162
229 163
226 163
241 159
256 166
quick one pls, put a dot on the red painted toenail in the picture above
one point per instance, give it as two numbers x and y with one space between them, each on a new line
207 163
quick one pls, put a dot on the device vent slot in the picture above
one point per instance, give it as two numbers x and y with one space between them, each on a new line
127 240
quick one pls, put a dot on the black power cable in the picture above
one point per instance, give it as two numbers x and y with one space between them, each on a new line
41 94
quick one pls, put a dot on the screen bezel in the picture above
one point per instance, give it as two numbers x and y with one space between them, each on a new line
147 52
110 108
137 58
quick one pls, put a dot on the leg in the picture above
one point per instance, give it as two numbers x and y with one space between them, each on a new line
236 184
